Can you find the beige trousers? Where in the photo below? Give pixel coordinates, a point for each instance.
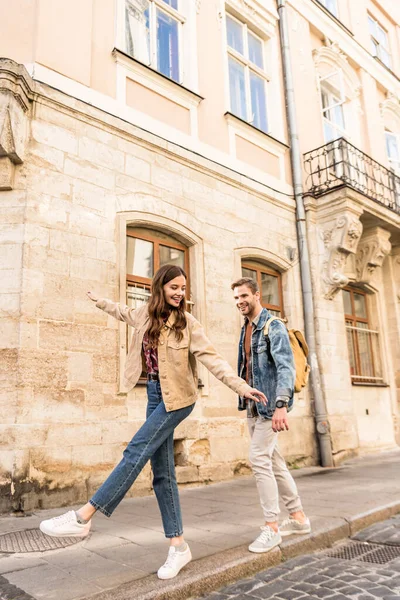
(270, 471)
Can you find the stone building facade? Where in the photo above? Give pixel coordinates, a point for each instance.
(159, 134)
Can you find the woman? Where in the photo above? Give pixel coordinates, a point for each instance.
(168, 340)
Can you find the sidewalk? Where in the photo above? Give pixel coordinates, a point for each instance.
(220, 521)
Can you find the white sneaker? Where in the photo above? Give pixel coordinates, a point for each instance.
(175, 562)
(65, 525)
(292, 526)
(267, 540)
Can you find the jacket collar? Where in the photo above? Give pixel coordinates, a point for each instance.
(264, 316)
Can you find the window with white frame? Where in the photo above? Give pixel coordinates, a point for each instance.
(379, 41)
(247, 75)
(153, 34)
(332, 100)
(393, 149)
(330, 5)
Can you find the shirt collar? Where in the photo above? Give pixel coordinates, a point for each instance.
(255, 320)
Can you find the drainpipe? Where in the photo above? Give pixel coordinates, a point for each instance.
(321, 417)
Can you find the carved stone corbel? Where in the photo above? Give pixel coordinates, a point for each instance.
(16, 95)
(371, 252)
(340, 241)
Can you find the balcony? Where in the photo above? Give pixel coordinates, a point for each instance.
(339, 164)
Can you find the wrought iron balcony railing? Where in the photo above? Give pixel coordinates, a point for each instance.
(339, 163)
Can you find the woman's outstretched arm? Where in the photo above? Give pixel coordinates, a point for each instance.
(204, 351)
(121, 313)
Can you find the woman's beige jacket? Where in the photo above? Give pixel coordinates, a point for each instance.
(176, 360)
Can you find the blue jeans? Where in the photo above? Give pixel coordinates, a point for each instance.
(155, 441)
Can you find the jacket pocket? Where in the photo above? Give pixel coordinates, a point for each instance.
(175, 345)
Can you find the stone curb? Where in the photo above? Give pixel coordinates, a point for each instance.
(212, 572)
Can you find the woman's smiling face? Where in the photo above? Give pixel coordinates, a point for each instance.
(174, 291)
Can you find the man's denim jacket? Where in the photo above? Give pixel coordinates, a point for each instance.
(272, 363)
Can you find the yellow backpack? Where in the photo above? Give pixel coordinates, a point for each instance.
(300, 352)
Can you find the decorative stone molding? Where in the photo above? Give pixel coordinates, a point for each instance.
(340, 241)
(261, 13)
(371, 252)
(16, 95)
(333, 57)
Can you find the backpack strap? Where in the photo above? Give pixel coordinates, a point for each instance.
(268, 323)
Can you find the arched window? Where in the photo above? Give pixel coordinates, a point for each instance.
(362, 340)
(269, 282)
(146, 251)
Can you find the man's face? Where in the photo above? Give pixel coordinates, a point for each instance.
(246, 301)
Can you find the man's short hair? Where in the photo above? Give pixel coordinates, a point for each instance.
(248, 281)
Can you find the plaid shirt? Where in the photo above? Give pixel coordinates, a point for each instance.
(251, 405)
(150, 356)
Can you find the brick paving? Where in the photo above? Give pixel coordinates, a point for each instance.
(316, 576)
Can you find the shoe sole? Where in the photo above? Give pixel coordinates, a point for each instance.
(61, 535)
(263, 550)
(304, 532)
(176, 574)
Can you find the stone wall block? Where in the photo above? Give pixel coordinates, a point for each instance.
(101, 154)
(54, 136)
(80, 367)
(86, 171)
(41, 368)
(59, 435)
(71, 337)
(105, 368)
(89, 268)
(137, 168)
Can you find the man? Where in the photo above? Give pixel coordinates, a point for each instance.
(267, 364)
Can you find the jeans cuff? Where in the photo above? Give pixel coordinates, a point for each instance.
(175, 534)
(100, 508)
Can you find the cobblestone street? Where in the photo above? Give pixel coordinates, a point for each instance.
(322, 576)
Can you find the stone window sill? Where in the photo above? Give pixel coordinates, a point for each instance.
(155, 81)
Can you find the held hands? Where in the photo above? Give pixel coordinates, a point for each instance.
(280, 420)
(92, 296)
(255, 395)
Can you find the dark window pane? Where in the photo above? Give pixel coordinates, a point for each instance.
(234, 34)
(137, 34)
(249, 273)
(172, 3)
(269, 289)
(139, 257)
(255, 51)
(237, 89)
(258, 102)
(167, 46)
(360, 306)
(172, 256)
(347, 302)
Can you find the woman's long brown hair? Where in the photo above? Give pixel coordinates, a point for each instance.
(159, 309)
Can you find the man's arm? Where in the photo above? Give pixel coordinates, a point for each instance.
(281, 352)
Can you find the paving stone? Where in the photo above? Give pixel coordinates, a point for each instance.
(245, 585)
(364, 584)
(335, 584)
(269, 590)
(304, 587)
(323, 592)
(271, 574)
(350, 590)
(289, 594)
(317, 579)
(348, 578)
(380, 591)
(300, 574)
